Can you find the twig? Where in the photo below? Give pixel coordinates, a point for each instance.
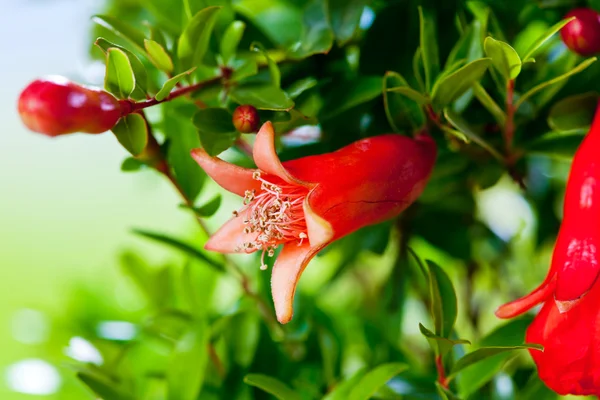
(509, 126)
(439, 365)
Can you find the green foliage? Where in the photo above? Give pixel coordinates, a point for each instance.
(370, 321)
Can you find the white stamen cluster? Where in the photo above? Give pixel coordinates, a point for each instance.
(276, 216)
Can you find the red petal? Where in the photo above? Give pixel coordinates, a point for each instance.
(286, 272)
(578, 272)
(229, 176)
(265, 156)
(231, 235)
(319, 230)
(523, 304)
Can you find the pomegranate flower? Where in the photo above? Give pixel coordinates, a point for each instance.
(568, 325)
(307, 203)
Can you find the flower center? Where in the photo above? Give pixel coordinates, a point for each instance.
(276, 216)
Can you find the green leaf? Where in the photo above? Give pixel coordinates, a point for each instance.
(485, 352)
(459, 123)
(119, 79)
(273, 68)
(243, 335)
(374, 379)
(280, 20)
(170, 84)
(132, 132)
(182, 137)
(193, 42)
(440, 345)
(443, 300)
(583, 65)
(292, 120)
(103, 387)
(208, 209)
(272, 386)
(139, 71)
(231, 40)
(428, 45)
(573, 112)
(344, 16)
(543, 38)
(148, 280)
(244, 68)
(262, 96)
(410, 93)
(181, 246)
(158, 56)
(486, 100)
(131, 164)
(561, 145)
(317, 37)
(187, 366)
(504, 58)
(354, 93)
(342, 390)
(401, 109)
(216, 129)
(301, 86)
(417, 65)
(121, 28)
(451, 87)
(444, 393)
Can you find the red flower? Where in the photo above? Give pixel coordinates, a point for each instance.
(568, 326)
(307, 203)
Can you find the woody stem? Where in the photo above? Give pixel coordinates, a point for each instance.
(509, 126)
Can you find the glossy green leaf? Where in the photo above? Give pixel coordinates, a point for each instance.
(417, 65)
(139, 71)
(170, 84)
(273, 386)
(443, 300)
(354, 93)
(318, 36)
(374, 379)
(486, 100)
(344, 16)
(459, 123)
(573, 112)
(119, 79)
(451, 87)
(181, 246)
(262, 96)
(429, 47)
(401, 109)
(486, 352)
(193, 42)
(342, 390)
(131, 164)
(231, 40)
(121, 28)
(187, 366)
(440, 345)
(103, 387)
(244, 334)
(132, 132)
(158, 56)
(244, 69)
(280, 20)
(208, 209)
(543, 38)
(583, 65)
(504, 58)
(273, 68)
(216, 129)
(561, 145)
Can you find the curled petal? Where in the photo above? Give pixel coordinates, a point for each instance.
(229, 176)
(266, 158)
(578, 274)
(286, 272)
(320, 232)
(517, 307)
(230, 237)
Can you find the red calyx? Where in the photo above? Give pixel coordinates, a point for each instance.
(55, 106)
(246, 119)
(582, 35)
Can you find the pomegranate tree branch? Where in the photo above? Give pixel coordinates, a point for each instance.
(509, 127)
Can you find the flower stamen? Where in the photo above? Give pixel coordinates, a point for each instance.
(275, 216)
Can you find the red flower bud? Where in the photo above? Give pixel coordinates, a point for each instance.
(582, 35)
(56, 106)
(568, 324)
(246, 119)
(307, 203)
